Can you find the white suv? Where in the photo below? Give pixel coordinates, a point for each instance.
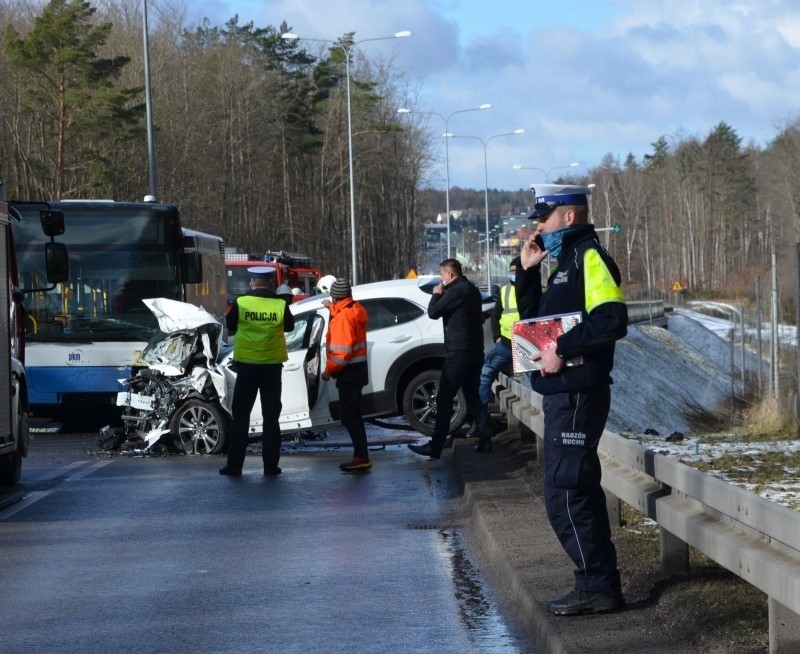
(405, 351)
(182, 399)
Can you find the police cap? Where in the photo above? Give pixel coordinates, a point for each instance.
(261, 272)
(549, 196)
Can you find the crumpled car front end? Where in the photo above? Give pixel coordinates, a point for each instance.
(179, 398)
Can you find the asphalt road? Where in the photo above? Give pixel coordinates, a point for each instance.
(117, 554)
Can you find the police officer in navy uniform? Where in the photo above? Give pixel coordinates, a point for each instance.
(576, 399)
(259, 319)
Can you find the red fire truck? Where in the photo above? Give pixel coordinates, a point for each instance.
(294, 270)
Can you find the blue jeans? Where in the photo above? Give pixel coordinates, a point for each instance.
(498, 360)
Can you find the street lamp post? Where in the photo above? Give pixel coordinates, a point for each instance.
(485, 143)
(446, 120)
(151, 148)
(574, 164)
(289, 36)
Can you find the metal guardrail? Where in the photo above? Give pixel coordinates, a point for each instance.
(650, 311)
(754, 538)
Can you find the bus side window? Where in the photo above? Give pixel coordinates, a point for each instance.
(192, 267)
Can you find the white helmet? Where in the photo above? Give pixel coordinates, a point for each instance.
(324, 284)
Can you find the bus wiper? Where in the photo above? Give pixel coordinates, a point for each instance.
(108, 327)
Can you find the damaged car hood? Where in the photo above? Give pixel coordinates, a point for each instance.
(179, 368)
(181, 324)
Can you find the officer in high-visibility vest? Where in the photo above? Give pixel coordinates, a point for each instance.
(504, 315)
(575, 399)
(259, 319)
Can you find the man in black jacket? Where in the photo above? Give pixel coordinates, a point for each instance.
(458, 303)
(576, 399)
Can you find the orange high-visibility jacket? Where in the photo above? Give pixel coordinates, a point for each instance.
(346, 342)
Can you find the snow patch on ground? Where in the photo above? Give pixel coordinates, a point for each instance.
(657, 371)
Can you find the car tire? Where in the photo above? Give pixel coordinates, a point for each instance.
(199, 427)
(419, 403)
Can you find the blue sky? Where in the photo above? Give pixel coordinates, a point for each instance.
(584, 78)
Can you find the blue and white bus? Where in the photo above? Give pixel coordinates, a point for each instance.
(83, 336)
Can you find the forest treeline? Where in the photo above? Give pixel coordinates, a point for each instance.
(251, 143)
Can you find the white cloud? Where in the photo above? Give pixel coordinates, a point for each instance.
(612, 78)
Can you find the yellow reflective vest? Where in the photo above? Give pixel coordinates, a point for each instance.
(510, 315)
(259, 332)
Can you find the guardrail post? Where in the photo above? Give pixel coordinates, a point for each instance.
(674, 553)
(614, 508)
(539, 449)
(784, 628)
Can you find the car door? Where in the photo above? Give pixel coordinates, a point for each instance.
(391, 332)
(304, 393)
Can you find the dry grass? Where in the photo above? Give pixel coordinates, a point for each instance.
(766, 419)
(751, 417)
(711, 611)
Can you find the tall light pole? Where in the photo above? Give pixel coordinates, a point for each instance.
(446, 120)
(151, 148)
(485, 143)
(574, 164)
(348, 50)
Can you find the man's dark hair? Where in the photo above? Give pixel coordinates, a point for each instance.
(453, 265)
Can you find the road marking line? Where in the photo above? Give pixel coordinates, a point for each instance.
(88, 471)
(25, 502)
(61, 471)
(35, 496)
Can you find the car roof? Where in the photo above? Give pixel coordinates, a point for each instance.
(410, 288)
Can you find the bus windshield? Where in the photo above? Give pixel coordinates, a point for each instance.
(117, 259)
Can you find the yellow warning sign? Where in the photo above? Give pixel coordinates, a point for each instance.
(677, 287)
(412, 274)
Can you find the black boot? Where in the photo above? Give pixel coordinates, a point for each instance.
(425, 450)
(484, 445)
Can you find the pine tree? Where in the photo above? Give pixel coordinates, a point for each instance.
(69, 91)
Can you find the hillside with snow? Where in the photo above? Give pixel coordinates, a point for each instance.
(657, 371)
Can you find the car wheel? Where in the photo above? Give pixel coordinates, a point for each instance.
(419, 403)
(199, 427)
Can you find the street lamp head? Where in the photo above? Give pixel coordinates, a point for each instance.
(289, 36)
(517, 167)
(403, 110)
(487, 105)
(403, 34)
(519, 131)
(574, 164)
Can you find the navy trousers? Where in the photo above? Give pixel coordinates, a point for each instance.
(252, 379)
(576, 504)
